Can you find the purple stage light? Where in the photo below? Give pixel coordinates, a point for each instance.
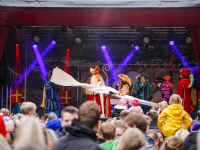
(103, 47)
(32, 65)
(53, 42)
(171, 43)
(41, 63)
(137, 48)
(34, 46)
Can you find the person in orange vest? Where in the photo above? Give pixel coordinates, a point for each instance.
(184, 89)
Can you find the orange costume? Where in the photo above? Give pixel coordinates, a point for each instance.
(101, 99)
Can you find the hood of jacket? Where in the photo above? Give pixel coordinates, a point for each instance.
(175, 109)
(54, 124)
(77, 129)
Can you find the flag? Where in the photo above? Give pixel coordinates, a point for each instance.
(16, 96)
(66, 97)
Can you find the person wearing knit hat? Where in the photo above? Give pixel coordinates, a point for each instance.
(184, 89)
(121, 105)
(165, 86)
(135, 107)
(142, 90)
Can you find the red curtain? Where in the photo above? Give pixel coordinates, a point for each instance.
(195, 35)
(3, 37)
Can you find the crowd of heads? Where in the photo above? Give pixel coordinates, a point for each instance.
(131, 130)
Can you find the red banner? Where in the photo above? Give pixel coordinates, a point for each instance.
(16, 96)
(66, 97)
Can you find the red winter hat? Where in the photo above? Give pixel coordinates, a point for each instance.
(135, 102)
(185, 72)
(2, 127)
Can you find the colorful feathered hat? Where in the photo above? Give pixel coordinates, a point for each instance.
(125, 78)
(187, 73)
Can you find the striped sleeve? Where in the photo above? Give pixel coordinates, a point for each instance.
(166, 92)
(124, 90)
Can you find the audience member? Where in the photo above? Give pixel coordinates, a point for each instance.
(163, 105)
(197, 118)
(68, 114)
(135, 107)
(148, 121)
(82, 132)
(132, 139)
(108, 131)
(30, 135)
(120, 129)
(160, 135)
(153, 118)
(135, 120)
(5, 114)
(118, 122)
(153, 134)
(50, 138)
(4, 144)
(123, 114)
(121, 105)
(170, 120)
(2, 127)
(28, 108)
(172, 143)
(51, 115)
(182, 134)
(17, 117)
(11, 127)
(54, 124)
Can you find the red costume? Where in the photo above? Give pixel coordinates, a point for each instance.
(101, 100)
(184, 89)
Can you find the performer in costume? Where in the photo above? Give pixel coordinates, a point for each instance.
(123, 86)
(142, 90)
(166, 87)
(50, 96)
(184, 89)
(101, 99)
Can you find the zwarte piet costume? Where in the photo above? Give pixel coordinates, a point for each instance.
(184, 89)
(50, 96)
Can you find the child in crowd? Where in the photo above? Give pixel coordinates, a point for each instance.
(162, 106)
(122, 105)
(135, 107)
(170, 120)
(28, 108)
(108, 131)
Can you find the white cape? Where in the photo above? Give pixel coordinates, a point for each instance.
(64, 79)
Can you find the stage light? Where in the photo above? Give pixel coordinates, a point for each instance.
(36, 38)
(40, 62)
(137, 48)
(17, 45)
(173, 51)
(53, 42)
(78, 40)
(33, 64)
(103, 47)
(171, 43)
(188, 40)
(146, 40)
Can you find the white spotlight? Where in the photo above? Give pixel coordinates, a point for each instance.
(146, 40)
(188, 40)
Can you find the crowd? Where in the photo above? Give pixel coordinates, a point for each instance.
(169, 128)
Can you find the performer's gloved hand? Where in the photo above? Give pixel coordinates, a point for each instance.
(149, 99)
(111, 92)
(116, 87)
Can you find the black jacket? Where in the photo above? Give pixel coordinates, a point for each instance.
(117, 110)
(60, 132)
(190, 142)
(81, 138)
(154, 125)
